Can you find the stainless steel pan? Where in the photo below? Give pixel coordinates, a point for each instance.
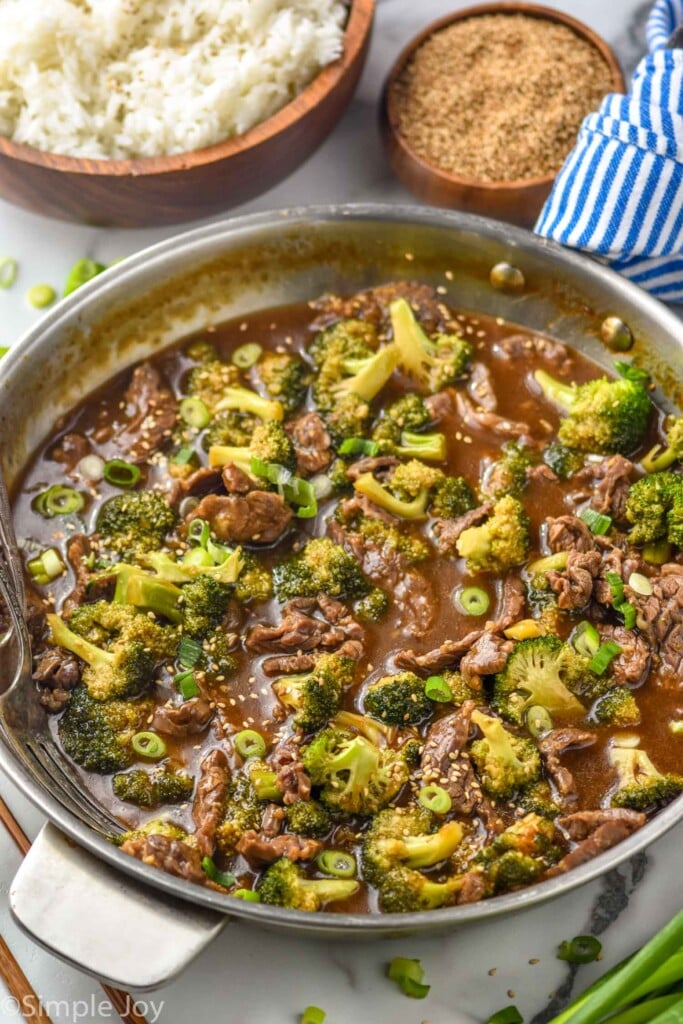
(72, 894)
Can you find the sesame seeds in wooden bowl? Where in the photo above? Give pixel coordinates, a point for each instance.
(481, 109)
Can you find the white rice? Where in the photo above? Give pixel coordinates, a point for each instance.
(138, 78)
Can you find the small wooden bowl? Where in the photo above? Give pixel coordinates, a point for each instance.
(186, 186)
(518, 202)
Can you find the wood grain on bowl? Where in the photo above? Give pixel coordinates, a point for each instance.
(186, 186)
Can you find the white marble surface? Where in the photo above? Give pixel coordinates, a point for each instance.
(252, 977)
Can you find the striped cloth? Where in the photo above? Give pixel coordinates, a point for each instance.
(620, 193)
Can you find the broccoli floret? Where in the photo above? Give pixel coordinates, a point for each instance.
(285, 885)
(373, 606)
(655, 507)
(264, 781)
(102, 622)
(513, 870)
(209, 381)
(243, 400)
(347, 417)
(499, 543)
(348, 365)
(309, 818)
(533, 675)
(532, 835)
(509, 474)
(460, 690)
(269, 443)
(124, 669)
(411, 479)
(405, 837)
(156, 827)
(338, 474)
(255, 582)
(385, 536)
(604, 416)
(563, 461)
(316, 696)
(538, 799)
(405, 890)
(229, 428)
(149, 789)
(133, 523)
(451, 497)
(323, 567)
(432, 363)
(408, 491)
(398, 699)
(617, 707)
(204, 603)
(640, 786)
(243, 813)
(505, 763)
(408, 413)
(355, 776)
(347, 339)
(285, 377)
(656, 459)
(97, 734)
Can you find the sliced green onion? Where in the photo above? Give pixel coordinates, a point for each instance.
(631, 372)
(148, 744)
(508, 1015)
(223, 878)
(640, 584)
(596, 522)
(82, 272)
(616, 585)
(217, 552)
(194, 412)
(189, 652)
(248, 895)
(183, 456)
(250, 743)
(198, 556)
(473, 600)
(187, 685)
(199, 532)
(270, 471)
(657, 553)
(313, 1015)
(435, 798)
(8, 271)
(358, 446)
(121, 474)
(41, 295)
(586, 639)
(436, 688)
(46, 567)
(538, 721)
(91, 467)
(604, 656)
(629, 612)
(337, 863)
(584, 949)
(246, 355)
(295, 490)
(59, 501)
(408, 975)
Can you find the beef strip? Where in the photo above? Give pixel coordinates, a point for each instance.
(360, 505)
(78, 550)
(291, 775)
(660, 619)
(574, 585)
(542, 473)
(487, 656)
(512, 606)
(480, 419)
(190, 718)
(610, 480)
(57, 672)
(445, 763)
(416, 601)
(552, 746)
(209, 801)
(447, 531)
(257, 517)
(166, 854)
(595, 832)
(569, 533)
(206, 480)
(70, 450)
(480, 387)
(618, 561)
(154, 414)
(373, 305)
(300, 630)
(258, 849)
(440, 405)
(378, 465)
(440, 657)
(516, 346)
(473, 888)
(629, 667)
(312, 443)
(273, 821)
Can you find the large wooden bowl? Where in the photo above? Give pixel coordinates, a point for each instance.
(165, 190)
(518, 202)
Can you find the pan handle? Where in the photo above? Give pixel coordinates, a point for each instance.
(103, 923)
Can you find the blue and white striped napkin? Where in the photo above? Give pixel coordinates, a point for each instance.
(620, 192)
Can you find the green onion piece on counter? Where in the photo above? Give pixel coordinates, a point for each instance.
(436, 688)
(189, 652)
(194, 413)
(121, 474)
(8, 271)
(435, 798)
(586, 639)
(596, 522)
(59, 501)
(640, 584)
(337, 863)
(313, 1015)
(82, 272)
(508, 1015)
(616, 585)
(629, 612)
(538, 721)
(247, 355)
(584, 949)
(41, 295)
(4, 349)
(223, 878)
(473, 600)
(199, 532)
(198, 556)
(248, 895)
(358, 446)
(250, 743)
(408, 975)
(183, 456)
(187, 685)
(631, 372)
(46, 567)
(148, 744)
(604, 656)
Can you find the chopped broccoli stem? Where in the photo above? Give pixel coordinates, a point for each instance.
(658, 459)
(373, 489)
(405, 837)
(245, 401)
